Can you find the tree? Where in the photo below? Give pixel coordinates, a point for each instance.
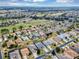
(4, 44)
(10, 37)
(4, 31)
(53, 52)
(58, 49)
(30, 26)
(14, 29)
(15, 37)
(13, 46)
(38, 51)
(20, 27)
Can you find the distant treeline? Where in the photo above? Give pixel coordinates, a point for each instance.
(18, 17)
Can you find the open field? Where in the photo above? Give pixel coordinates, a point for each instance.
(27, 24)
(2, 20)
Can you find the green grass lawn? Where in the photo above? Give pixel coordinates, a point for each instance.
(26, 25)
(4, 20)
(41, 52)
(37, 40)
(53, 46)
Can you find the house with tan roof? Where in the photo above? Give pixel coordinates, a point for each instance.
(70, 53)
(10, 42)
(24, 52)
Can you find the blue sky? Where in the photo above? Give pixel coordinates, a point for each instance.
(45, 3)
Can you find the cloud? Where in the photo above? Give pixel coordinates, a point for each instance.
(21, 2)
(34, 1)
(38, 0)
(8, 4)
(64, 1)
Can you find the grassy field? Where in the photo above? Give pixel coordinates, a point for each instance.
(4, 20)
(26, 25)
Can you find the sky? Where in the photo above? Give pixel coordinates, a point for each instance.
(45, 3)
